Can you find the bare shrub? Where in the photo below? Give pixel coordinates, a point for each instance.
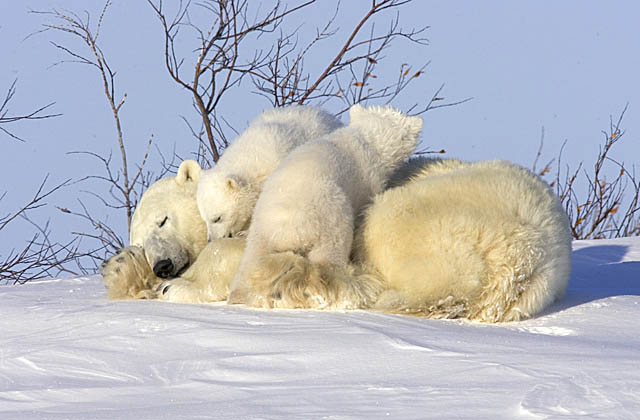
(40, 257)
(609, 207)
(125, 185)
(278, 74)
(220, 64)
(221, 60)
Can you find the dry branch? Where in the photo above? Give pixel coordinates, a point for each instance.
(609, 208)
(39, 257)
(350, 75)
(220, 64)
(128, 186)
(7, 118)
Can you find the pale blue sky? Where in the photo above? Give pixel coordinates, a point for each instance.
(565, 66)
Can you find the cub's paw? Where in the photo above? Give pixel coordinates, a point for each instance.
(179, 290)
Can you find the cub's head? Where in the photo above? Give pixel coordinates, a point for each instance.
(167, 224)
(226, 203)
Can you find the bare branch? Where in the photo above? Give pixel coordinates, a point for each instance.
(219, 65)
(350, 75)
(6, 118)
(607, 210)
(39, 257)
(80, 27)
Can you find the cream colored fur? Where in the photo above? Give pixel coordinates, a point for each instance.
(127, 275)
(300, 238)
(487, 241)
(209, 278)
(228, 192)
(166, 226)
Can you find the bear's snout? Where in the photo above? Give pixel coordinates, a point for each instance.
(163, 268)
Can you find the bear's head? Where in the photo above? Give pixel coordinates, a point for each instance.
(226, 203)
(167, 224)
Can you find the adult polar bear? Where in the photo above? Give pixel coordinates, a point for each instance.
(301, 234)
(167, 235)
(487, 241)
(228, 192)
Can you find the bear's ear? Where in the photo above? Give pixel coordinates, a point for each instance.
(234, 182)
(189, 171)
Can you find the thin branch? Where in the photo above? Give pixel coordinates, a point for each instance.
(609, 208)
(6, 118)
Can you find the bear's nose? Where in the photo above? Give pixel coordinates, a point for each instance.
(163, 268)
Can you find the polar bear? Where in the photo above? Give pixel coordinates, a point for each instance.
(167, 233)
(299, 241)
(228, 192)
(127, 275)
(487, 241)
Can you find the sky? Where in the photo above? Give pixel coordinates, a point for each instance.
(562, 66)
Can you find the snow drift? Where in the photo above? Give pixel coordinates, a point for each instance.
(66, 352)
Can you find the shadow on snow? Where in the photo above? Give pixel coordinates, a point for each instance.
(598, 272)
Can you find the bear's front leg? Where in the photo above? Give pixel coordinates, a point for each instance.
(127, 275)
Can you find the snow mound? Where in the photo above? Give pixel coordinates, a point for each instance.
(68, 353)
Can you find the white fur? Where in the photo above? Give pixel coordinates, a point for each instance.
(209, 278)
(228, 192)
(488, 241)
(166, 227)
(299, 242)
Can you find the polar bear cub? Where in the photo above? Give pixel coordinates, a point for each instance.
(299, 242)
(488, 241)
(227, 193)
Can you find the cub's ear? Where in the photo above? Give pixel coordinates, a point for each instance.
(356, 111)
(189, 171)
(235, 182)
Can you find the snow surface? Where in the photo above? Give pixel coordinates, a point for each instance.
(68, 353)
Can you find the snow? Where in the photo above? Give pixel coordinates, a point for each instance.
(66, 352)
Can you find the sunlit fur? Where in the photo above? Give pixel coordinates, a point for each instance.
(487, 241)
(228, 192)
(209, 278)
(127, 275)
(166, 225)
(300, 239)
(289, 280)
